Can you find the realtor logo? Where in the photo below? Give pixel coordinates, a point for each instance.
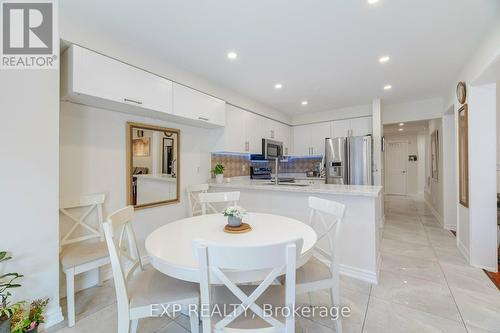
(29, 38)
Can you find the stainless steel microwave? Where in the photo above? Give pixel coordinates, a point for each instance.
(272, 149)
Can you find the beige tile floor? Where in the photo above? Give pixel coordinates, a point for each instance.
(425, 286)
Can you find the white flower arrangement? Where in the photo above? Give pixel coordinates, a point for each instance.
(235, 211)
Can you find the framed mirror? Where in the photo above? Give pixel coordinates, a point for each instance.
(152, 165)
(463, 156)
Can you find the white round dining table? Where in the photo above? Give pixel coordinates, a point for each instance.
(171, 252)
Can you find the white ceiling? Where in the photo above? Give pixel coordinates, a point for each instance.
(323, 51)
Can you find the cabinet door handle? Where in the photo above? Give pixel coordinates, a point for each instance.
(132, 101)
(203, 118)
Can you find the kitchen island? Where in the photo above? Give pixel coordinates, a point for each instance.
(361, 228)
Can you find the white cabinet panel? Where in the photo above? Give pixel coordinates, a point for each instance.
(192, 104)
(302, 140)
(91, 78)
(361, 126)
(234, 133)
(352, 127)
(319, 132)
(340, 128)
(255, 132)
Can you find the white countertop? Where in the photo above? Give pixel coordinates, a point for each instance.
(160, 176)
(354, 190)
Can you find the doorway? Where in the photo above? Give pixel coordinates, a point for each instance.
(396, 167)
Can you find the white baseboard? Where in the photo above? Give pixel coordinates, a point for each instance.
(360, 274)
(53, 317)
(435, 213)
(357, 273)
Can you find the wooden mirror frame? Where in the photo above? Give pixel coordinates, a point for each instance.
(463, 158)
(129, 135)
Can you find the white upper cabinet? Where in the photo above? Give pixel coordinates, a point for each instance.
(340, 128)
(245, 130)
(352, 127)
(93, 79)
(309, 140)
(302, 140)
(361, 126)
(319, 132)
(192, 104)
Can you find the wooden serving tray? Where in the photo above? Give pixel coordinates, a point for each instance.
(243, 228)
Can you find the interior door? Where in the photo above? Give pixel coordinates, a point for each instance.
(396, 157)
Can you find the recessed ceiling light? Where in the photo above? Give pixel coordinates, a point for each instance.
(278, 86)
(388, 87)
(304, 103)
(401, 129)
(232, 55)
(401, 124)
(371, 2)
(384, 59)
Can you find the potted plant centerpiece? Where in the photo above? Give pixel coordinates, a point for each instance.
(234, 216)
(28, 318)
(219, 173)
(7, 282)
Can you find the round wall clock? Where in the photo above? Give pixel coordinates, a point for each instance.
(461, 92)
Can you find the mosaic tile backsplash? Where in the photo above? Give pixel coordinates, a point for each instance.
(237, 165)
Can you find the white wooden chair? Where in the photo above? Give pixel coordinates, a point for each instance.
(207, 199)
(139, 290)
(322, 270)
(82, 248)
(193, 198)
(214, 262)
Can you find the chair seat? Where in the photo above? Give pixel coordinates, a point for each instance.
(313, 270)
(83, 253)
(153, 287)
(274, 295)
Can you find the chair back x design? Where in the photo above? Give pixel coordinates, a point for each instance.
(91, 203)
(325, 216)
(207, 199)
(193, 198)
(123, 251)
(216, 260)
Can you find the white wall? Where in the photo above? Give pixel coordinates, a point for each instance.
(498, 136)
(476, 71)
(421, 163)
(412, 111)
(434, 188)
(342, 113)
(93, 160)
(482, 174)
(29, 197)
(450, 166)
(378, 161)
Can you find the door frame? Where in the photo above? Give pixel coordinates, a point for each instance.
(406, 165)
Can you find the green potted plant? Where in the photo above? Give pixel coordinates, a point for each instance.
(219, 173)
(28, 318)
(7, 282)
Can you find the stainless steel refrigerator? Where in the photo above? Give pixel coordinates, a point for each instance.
(348, 160)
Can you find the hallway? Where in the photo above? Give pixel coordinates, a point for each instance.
(422, 269)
